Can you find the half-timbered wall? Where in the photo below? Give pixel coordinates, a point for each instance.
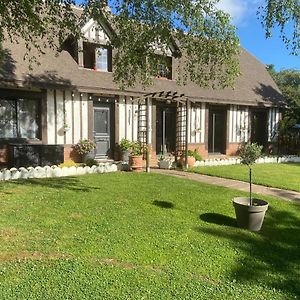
(197, 123)
(128, 119)
(239, 124)
(67, 117)
(94, 32)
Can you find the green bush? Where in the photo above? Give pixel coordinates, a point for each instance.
(91, 162)
(125, 144)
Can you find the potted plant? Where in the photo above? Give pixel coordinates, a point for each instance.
(136, 156)
(191, 159)
(165, 162)
(125, 146)
(86, 148)
(250, 212)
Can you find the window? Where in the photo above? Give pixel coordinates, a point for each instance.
(19, 118)
(165, 68)
(97, 57)
(102, 59)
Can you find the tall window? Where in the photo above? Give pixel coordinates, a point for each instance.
(102, 59)
(97, 57)
(19, 118)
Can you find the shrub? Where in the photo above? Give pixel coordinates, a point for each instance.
(195, 154)
(69, 163)
(91, 162)
(137, 148)
(125, 144)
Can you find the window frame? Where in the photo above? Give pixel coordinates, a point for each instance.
(16, 121)
(91, 49)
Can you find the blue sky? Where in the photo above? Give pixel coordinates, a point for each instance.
(251, 34)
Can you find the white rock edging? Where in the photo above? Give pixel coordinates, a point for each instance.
(55, 171)
(236, 161)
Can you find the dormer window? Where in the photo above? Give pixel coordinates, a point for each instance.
(103, 59)
(165, 68)
(97, 57)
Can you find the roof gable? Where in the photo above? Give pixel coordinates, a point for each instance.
(96, 32)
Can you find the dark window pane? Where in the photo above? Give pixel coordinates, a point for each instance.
(19, 119)
(27, 118)
(101, 121)
(8, 126)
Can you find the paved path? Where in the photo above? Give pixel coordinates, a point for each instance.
(235, 184)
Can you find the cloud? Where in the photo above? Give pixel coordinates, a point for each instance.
(240, 10)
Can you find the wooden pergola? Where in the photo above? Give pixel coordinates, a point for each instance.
(182, 121)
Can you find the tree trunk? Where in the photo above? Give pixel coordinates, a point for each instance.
(250, 180)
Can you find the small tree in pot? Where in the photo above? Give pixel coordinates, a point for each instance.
(250, 212)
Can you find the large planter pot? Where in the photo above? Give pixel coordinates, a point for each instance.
(250, 217)
(190, 161)
(87, 156)
(125, 155)
(136, 163)
(165, 164)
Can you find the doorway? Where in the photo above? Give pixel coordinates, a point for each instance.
(259, 131)
(104, 130)
(217, 130)
(165, 129)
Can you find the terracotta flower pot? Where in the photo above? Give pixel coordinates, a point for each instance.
(136, 163)
(190, 160)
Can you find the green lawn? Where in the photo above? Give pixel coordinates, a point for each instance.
(141, 236)
(285, 176)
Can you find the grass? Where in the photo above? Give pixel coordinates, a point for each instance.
(285, 176)
(141, 236)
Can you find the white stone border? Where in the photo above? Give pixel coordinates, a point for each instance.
(55, 171)
(236, 161)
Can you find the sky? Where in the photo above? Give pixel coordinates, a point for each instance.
(251, 34)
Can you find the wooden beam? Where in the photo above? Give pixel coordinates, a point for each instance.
(186, 132)
(148, 134)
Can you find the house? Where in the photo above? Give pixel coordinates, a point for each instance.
(72, 96)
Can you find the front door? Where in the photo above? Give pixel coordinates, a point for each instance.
(165, 129)
(103, 130)
(217, 131)
(259, 127)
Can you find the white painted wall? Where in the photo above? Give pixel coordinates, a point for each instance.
(197, 123)
(238, 124)
(94, 32)
(66, 109)
(128, 118)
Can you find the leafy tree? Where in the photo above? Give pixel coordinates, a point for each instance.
(288, 81)
(207, 40)
(286, 16)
